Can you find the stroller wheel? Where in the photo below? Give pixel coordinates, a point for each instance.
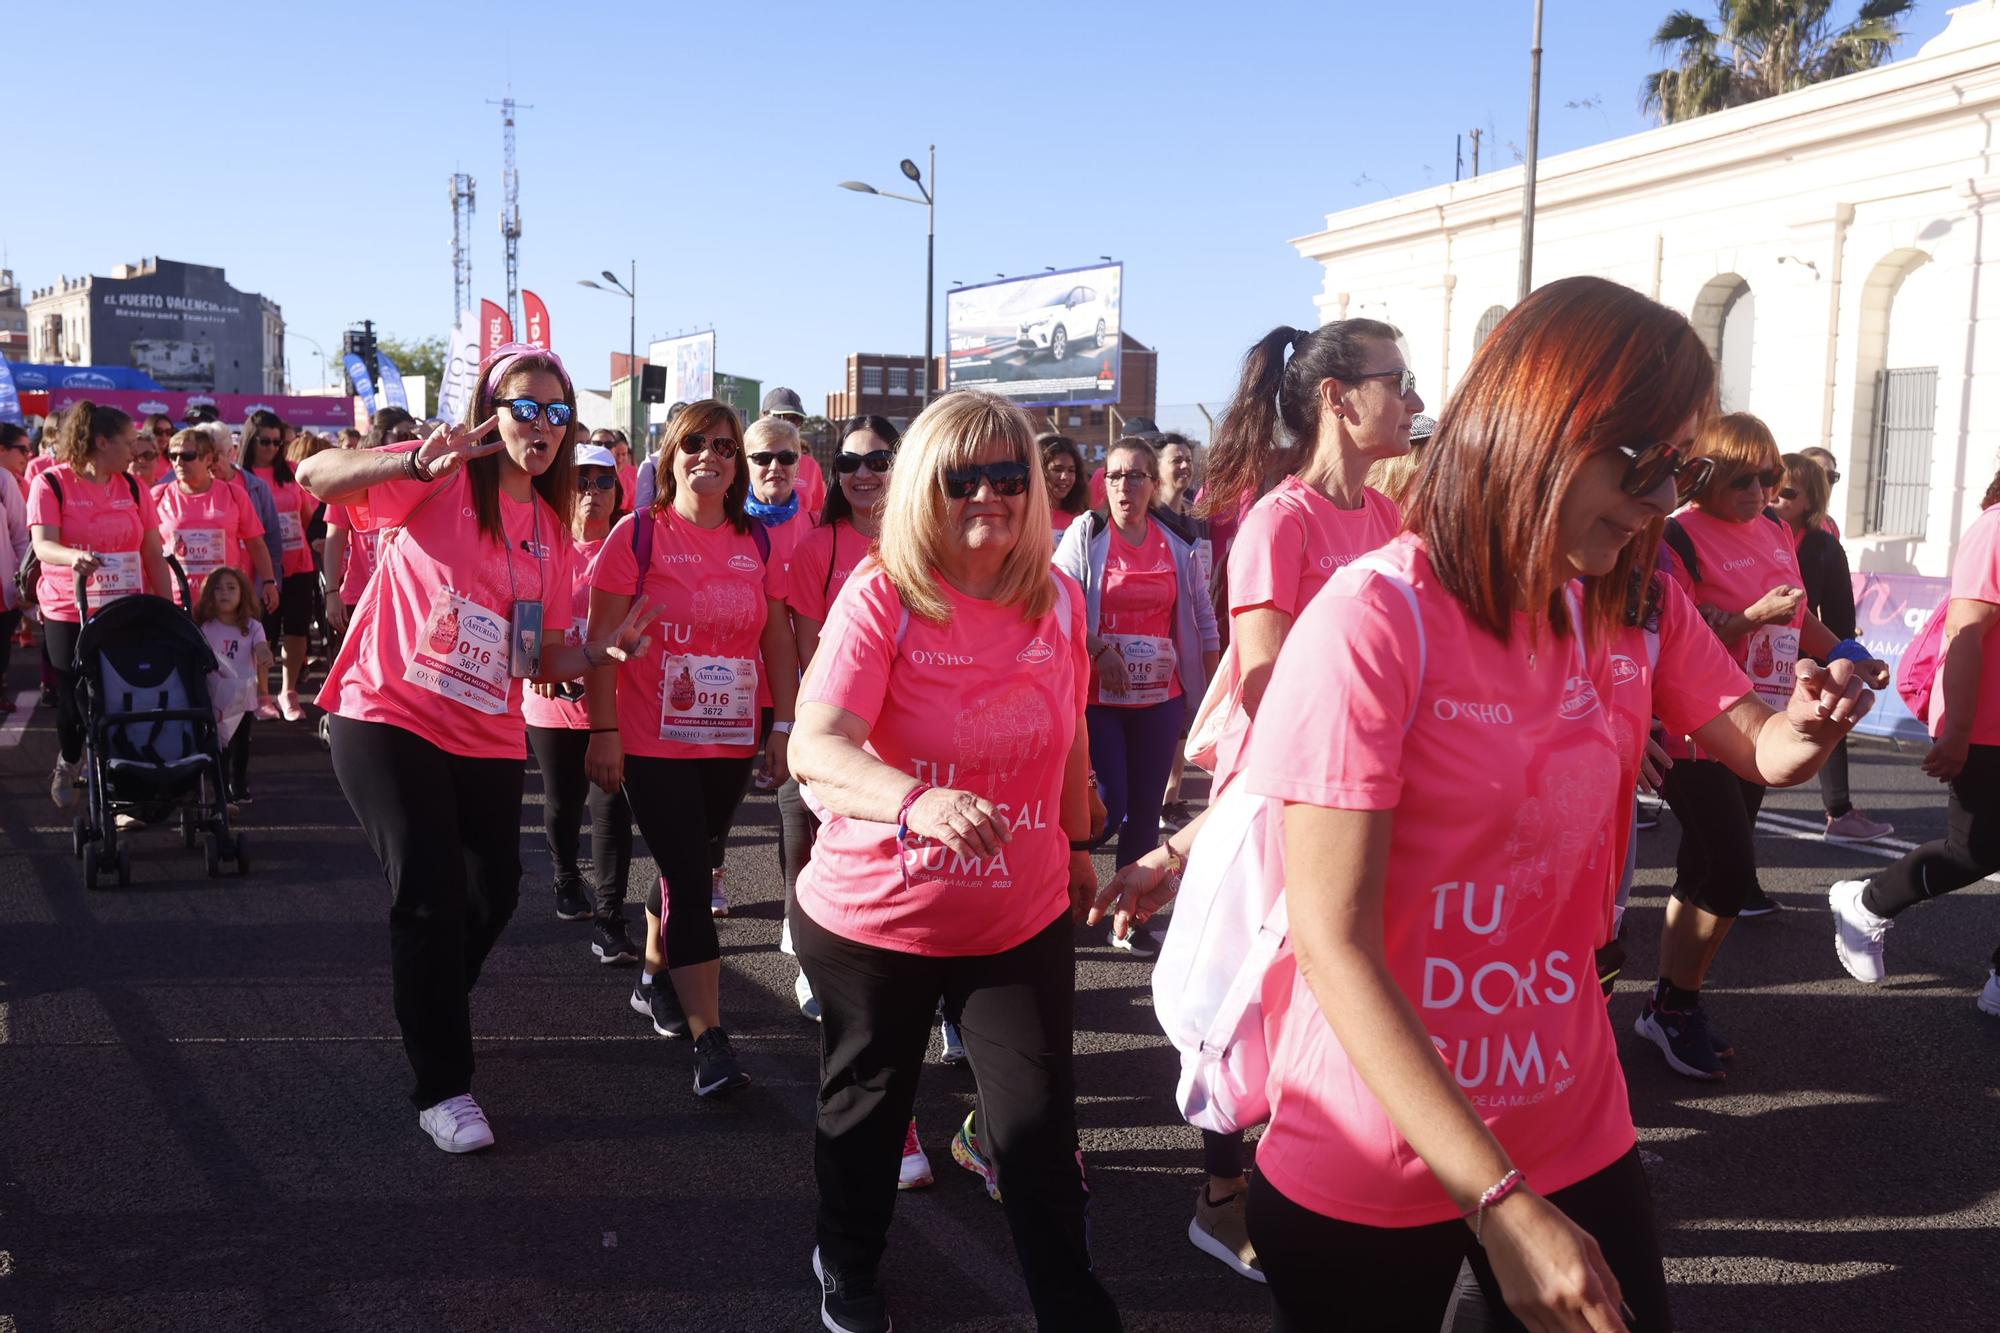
(242, 855)
(77, 836)
(124, 864)
(211, 854)
(90, 865)
(325, 729)
(187, 829)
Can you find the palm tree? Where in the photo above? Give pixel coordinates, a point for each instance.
(1761, 48)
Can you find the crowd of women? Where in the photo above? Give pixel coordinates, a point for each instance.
(961, 679)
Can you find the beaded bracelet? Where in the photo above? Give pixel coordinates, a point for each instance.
(1506, 1185)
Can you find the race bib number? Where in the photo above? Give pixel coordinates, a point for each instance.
(461, 654)
(118, 576)
(201, 550)
(1773, 663)
(709, 700)
(1204, 560)
(291, 532)
(1149, 669)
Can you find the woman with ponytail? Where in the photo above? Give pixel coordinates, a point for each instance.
(88, 516)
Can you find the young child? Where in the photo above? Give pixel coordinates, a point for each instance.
(237, 636)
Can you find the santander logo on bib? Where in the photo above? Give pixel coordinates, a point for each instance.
(743, 563)
(1579, 699)
(1036, 653)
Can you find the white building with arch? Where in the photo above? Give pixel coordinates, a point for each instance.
(1837, 247)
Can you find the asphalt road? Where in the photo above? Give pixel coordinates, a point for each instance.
(203, 1121)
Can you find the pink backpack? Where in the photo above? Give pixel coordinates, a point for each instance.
(1920, 663)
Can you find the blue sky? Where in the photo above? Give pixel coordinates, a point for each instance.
(306, 150)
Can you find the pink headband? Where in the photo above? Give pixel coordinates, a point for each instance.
(502, 360)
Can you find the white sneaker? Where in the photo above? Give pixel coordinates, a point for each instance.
(1989, 999)
(62, 783)
(785, 939)
(456, 1124)
(808, 1002)
(1854, 828)
(916, 1172)
(1857, 932)
(718, 900)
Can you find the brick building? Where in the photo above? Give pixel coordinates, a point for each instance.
(879, 384)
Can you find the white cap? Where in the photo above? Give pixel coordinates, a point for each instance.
(593, 455)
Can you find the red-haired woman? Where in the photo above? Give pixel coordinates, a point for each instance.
(1461, 713)
(427, 734)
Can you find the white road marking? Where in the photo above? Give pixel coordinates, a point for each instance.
(16, 725)
(1800, 830)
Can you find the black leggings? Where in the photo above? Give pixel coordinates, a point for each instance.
(1326, 1274)
(718, 840)
(1969, 850)
(9, 623)
(294, 615)
(236, 759)
(447, 832)
(680, 805)
(1716, 866)
(59, 648)
(1016, 1011)
(566, 793)
(1833, 790)
(798, 828)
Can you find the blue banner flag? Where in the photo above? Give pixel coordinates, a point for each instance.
(392, 384)
(357, 374)
(10, 397)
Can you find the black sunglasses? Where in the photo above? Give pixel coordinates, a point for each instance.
(1406, 380)
(719, 445)
(1768, 479)
(765, 458)
(1646, 468)
(527, 409)
(186, 456)
(875, 461)
(604, 482)
(1004, 478)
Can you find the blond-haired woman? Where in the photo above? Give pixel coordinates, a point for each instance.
(939, 730)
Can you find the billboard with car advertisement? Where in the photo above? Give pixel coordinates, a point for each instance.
(1042, 341)
(690, 363)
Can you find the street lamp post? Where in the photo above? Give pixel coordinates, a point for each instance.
(1528, 170)
(317, 349)
(929, 201)
(630, 292)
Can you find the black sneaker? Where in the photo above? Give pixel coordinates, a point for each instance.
(850, 1304)
(611, 944)
(1139, 941)
(1648, 818)
(657, 1001)
(715, 1068)
(1175, 816)
(1760, 903)
(1683, 1038)
(571, 905)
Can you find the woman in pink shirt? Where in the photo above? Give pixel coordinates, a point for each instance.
(940, 732)
(1463, 721)
(1965, 755)
(427, 733)
(677, 727)
(88, 516)
(1062, 468)
(291, 624)
(349, 558)
(204, 522)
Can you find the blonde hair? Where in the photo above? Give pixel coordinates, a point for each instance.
(917, 530)
(1803, 471)
(194, 436)
(1739, 443)
(1394, 476)
(772, 433)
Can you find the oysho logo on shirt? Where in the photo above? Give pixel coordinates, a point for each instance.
(1331, 562)
(680, 558)
(926, 657)
(1744, 563)
(743, 563)
(1036, 653)
(1579, 699)
(1456, 710)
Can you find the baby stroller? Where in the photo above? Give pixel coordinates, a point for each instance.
(150, 739)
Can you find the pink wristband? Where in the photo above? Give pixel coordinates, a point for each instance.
(903, 811)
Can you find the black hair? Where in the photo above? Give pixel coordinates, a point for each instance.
(265, 419)
(1272, 424)
(382, 424)
(883, 429)
(11, 434)
(1053, 442)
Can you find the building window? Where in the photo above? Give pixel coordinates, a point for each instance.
(899, 380)
(871, 379)
(1488, 322)
(917, 382)
(1905, 424)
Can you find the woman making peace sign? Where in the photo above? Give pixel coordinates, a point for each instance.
(427, 735)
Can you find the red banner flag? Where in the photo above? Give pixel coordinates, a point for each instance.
(536, 316)
(494, 328)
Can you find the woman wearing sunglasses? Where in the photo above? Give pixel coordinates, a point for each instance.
(559, 735)
(940, 734)
(203, 523)
(349, 557)
(427, 731)
(1740, 567)
(677, 726)
(1463, 717)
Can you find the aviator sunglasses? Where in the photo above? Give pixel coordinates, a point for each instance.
(527, 409)
(1646, 468)
(876, 461)
(1004, 478)
(719, 445)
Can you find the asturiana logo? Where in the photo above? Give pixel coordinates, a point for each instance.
(1579, 699)
(746, 564)
(1623, 670)
(715, 674)
(479, 627)
(1036, 653)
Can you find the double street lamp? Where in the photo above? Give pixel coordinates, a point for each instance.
(929, 202)
(630, 293)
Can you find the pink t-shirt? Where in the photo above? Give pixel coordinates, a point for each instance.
(566, 714)
(295, 511)
(204, 532)
(1060, 520)
(785, 539)
(37, 465)
(360, 559)
(101, 517)
(809, 480)
(693, 694)
(427, 648)
(1293, 539)
(1740, 562)
(1975, 576)
(1136, 613)
(821, 562)
(1502, 767)
(988, 703)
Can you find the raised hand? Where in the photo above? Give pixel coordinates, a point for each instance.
(450, 446)
(627, 639)
(968, 824)
(1830, 697)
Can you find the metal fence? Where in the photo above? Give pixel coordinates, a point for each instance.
(1905, 417)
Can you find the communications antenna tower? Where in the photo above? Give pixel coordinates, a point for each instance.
(510, 209)
(461, 245)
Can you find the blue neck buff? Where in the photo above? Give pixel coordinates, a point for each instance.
(771, 516)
